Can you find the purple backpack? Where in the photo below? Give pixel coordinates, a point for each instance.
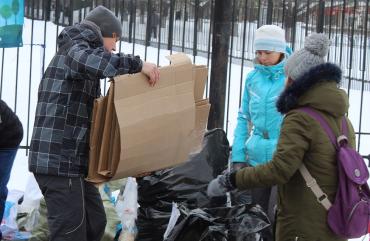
(348, 216)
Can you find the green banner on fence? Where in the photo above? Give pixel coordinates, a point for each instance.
(11, 23)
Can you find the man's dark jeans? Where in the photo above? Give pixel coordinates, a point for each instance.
(75, 208)
(7, 157)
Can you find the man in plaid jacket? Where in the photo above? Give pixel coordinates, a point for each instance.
(60, 141)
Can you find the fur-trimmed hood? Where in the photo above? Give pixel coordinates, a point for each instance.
(317, 88)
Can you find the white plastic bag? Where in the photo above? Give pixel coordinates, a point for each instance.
(31, 203)
(9, 225)
(127, 210)
(175, 214)
(32, 196)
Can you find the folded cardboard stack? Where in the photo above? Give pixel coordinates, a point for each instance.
(137, 128)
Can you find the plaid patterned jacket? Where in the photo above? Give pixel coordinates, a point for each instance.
(60, 139)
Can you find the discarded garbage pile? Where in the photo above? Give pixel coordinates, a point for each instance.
(26, 215)
(237, 223)
(186, 185)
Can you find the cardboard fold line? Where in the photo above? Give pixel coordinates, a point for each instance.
(147, 128)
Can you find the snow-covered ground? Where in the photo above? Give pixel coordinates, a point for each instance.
(23, 98)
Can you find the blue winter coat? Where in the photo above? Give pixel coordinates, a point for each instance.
(262, 88)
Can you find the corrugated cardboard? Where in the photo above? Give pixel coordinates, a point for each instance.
(155, 122)
(149, 128)
(105, 153)
(200, 74)
(109, 154)
(116, 147)
(96, 132)
(201, 119)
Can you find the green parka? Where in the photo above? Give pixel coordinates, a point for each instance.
(302, 140)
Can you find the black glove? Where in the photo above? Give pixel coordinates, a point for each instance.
(240, 197)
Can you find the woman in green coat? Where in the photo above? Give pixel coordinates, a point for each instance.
(311, 82)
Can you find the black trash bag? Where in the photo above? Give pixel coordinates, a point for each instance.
(152, 223)
(186, 184)
(237, 223)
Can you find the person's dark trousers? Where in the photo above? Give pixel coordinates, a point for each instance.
(75, 208)
(154, 32)
(7, 157)
(267, 199)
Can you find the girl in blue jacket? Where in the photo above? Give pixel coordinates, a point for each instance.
(258, 124)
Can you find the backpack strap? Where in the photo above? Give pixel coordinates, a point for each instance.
(315, 188)
(324, 124)
(310, 181)
(345, 127)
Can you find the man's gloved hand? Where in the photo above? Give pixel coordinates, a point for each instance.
(220, 186)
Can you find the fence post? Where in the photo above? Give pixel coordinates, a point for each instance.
(70, 17)
(148, 21)
(320, 17)
(132, 19)
(270, 6)
(220, 46)
(196, 19)
(171, 20)
(47, 10)
(259, 15)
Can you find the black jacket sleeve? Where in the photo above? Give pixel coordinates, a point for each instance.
(11, 130)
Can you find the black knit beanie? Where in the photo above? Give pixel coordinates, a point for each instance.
(109, 24)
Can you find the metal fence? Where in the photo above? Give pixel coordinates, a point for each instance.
(186, 25)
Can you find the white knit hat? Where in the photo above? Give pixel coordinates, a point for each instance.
(271, 38)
